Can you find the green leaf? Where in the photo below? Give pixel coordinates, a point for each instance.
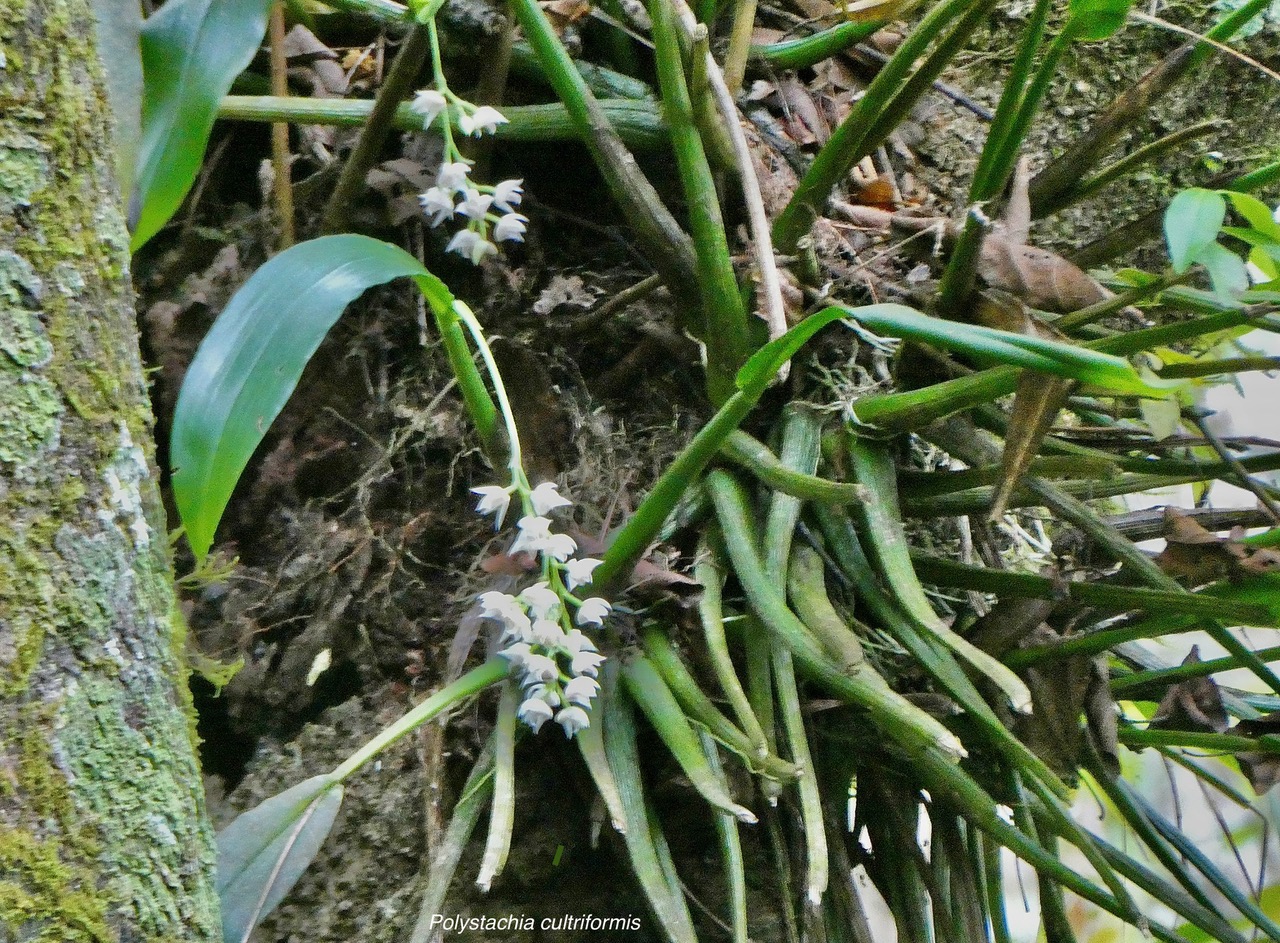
(765, 363)
(1267, 243)
(1226, 270)
(263, 852)
(250, 361)
(1092, 20)
(119, 27)
(1192, 221)
(192, 50)
(1004, 347)
(1257, 213)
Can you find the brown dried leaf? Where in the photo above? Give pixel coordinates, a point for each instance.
(1040, 278)
(804, 118)
(1008, 623)
(1037, 400)
(1200, 556)
(313, 61)
(1261, 768)
(877, 193)
(564, 12)
(1060, 696)
(1195, 704)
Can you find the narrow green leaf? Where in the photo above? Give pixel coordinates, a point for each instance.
(650, 692)
(1092, 20)
(1267, 242)
(1191, 222)
(765, 363)
(192, 50)
(250, 361)
(263, 852)
(1004, 347)
(667, 902)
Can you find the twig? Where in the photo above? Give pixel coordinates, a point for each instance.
(1198, 418)
(1148, 525)
(942, 88)
(283, 190)
(735, 59)
(618, 302)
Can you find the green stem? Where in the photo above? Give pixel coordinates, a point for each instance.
(466, 813)
(666, 245)
(725, 329)
(480, 406)
(1103, 596)
(642, 843)
(731, 847)
(850, 142)
(1218, 742)
(998, 157)
(662, 655)
(900, 412)
(935, 659)
(806, 587)
(711, 614)
(640, 530)
(638, 124)
(810, 50)
(755, 457)
(887, 539)
(659, 705)
(1137, 563)
(1215, 368)
(981, 809)
(910, 727)
(1146, 154)
(502, 811)
(801, 449)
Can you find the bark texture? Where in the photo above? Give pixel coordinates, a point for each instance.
(102, 828)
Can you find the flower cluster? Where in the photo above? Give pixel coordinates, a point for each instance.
(489, 210)
(558, 663)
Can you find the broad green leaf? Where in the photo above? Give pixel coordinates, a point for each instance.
(119, 26)
(263, 852)
(1257, 213)
(1265, 262)
(192, 50)
(1192, 221)
(1226, 270)
(1265, 242)
(1092, 20)
(249, 363)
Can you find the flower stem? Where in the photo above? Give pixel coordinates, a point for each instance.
(474, 681)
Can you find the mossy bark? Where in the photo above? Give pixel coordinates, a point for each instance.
(103, 834)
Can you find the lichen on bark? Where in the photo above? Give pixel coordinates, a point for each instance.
(103, 834)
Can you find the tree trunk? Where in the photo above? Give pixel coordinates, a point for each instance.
(103, 834)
